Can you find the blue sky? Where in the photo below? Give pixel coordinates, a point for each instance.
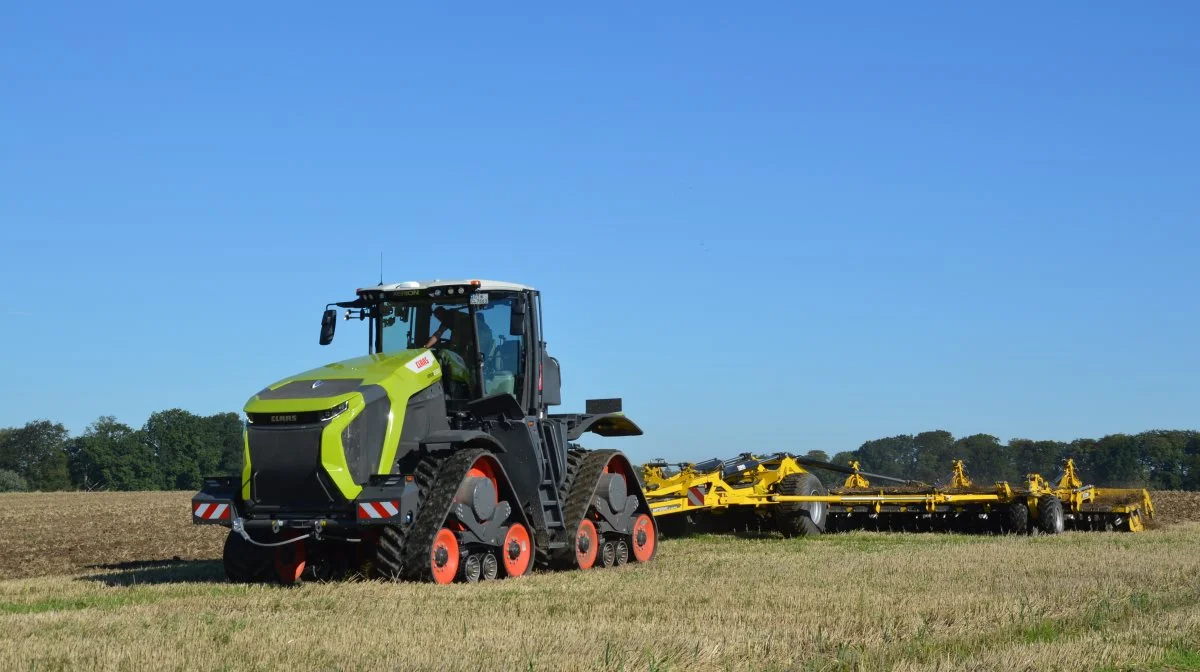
(772, 227)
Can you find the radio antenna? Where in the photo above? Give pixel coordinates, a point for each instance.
(381, 267)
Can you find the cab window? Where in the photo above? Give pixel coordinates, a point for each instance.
(503, 352)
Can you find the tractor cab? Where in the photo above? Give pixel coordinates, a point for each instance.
(483, 333)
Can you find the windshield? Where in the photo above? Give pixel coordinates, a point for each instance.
(446, 328)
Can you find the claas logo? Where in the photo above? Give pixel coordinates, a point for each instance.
(423, 362)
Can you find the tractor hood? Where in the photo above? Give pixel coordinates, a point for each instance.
(329, 385)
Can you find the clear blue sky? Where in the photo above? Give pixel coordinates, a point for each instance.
(787, 226)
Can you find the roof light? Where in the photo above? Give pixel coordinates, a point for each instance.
(476, 283)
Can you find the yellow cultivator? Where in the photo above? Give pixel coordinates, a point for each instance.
(779, 492)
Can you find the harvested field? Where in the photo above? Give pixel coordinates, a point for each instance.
(854, 601)
(61, 533)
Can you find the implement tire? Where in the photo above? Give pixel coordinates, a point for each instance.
(801, 518)
(246, 563)
(1050, 515)
(1015, 519)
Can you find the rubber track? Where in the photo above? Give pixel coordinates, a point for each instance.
(543, 557)
(579, 497)
(435, 505)
(389, 550)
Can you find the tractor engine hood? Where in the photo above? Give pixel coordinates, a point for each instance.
(314, 439)
(328, 386)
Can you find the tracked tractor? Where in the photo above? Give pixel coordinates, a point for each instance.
(432, 458)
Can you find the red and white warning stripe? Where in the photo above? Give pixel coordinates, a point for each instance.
(378, 509)
(695, 496)
(210, 511)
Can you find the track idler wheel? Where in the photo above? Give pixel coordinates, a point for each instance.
(608, 554)
(587, 544)
(645, 538)
(444, 558)
(517, 551)
(491, 568)
(622, 550)
(472, 568)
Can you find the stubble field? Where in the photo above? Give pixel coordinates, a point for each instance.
(123, 581)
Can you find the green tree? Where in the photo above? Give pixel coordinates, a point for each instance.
(985, 458)
(1038, 457)
(226, 430)
(11, 481)
(37, 452)
(934, 456)
(112, 456)
(1116, 461)
(184, 450)
(817, 455)
(893, 456)
(1191, 463)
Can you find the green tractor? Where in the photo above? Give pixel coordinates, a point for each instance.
(432, 458)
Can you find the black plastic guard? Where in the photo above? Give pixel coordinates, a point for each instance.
(216, 503)
(605, 424)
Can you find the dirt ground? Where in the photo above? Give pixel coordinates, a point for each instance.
(44, 534)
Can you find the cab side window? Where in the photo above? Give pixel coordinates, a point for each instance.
(503, 352)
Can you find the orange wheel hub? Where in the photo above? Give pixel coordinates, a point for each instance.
(517, 551)
(587, 543)
(444, 558)
(644, 538)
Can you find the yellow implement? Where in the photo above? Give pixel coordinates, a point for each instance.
(778, 492)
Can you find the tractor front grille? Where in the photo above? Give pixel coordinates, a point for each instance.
(286, 470)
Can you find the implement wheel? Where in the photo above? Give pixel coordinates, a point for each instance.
(1015, 518)
(801, 518)
(1050, 515)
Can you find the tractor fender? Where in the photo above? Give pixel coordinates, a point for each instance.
(444, 439)
(604, 424)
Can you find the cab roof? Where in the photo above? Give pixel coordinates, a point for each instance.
(484, 285)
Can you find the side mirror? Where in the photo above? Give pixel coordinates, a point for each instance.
(551, 380)
(516, 321)
(328, 324)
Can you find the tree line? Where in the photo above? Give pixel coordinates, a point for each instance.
(175, 450)
(1157, 459)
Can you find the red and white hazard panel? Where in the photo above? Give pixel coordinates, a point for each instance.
(378, 509)
(210, 511)
(695, 496)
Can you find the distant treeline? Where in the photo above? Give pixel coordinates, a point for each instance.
(175, 449)
(1158, 459)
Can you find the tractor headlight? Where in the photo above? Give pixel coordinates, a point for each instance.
(335, 411)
